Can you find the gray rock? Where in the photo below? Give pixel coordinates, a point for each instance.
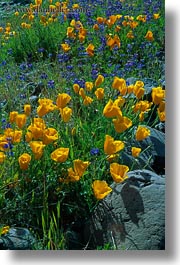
(132, 217)
(17, 239)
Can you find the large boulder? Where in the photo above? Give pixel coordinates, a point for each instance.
(132, 216)
(17, 239)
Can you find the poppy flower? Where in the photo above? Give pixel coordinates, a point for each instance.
(120, 84)
(87, 101)
(60, 155)
(135, 151)
(118, 172)
(89, 86)
(27, 109)
(2, 157)
(12, 116)
(90, 49)
(99, 80)
(62, 100)
(20, 120)
(100, 189)
(112, 146)
(99, 93)
(78, 171)
(111, 110)
(142, 133)
(121, 124)
(149, 36)
(66, 114)
(158, 95)
(65, 47)
(24, 161)
(49, 135)
(37, 148)
(76, 88)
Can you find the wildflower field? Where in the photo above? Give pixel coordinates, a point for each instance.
(81, 84)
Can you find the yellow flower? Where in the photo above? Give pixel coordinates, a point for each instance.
(138, 89)
(82, 93)
(156, 16)
(120, 84)
(90, 49)
(36, 128)
(45, 106)
(15, 135)
(87, 101)
(119, 101)
(113, 42)
(112, 146)
(2, 157)
(142, 133)
(66, 114)
(158, 95)
(12, 116)
(111, 110)
(89, 86)
(121, 124)
(99, 80)
(38, 2)
(76, 88)
(27, 109)
(100, 20)
(79, 169)
(75, 6)
(142, 105)
(100, 189)
(4, 230)
(99, 93)
(130, 35)
(161, 111)
(20, 120)
(141, 18)
(149, 36)
(118, 172)
(16, 13)
(70, 32)
(135, 151)
(37, 148)
(95, 27)
(60, 155)
(65, 47)
(31, 17)
(24, 161)
(50, 135)
(62, 100)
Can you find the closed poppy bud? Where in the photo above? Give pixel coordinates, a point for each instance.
(112, 146)
(79, 169)
(89, 86)
(60, 155)
(135, 151)
(100, 189)
(50, 135)
(2, 157)
(24, 161)
(76, 88)
(99, 93)
(118, 172)
(95, 27)
(142, 133)
(141, 116)
(27, 109)
(20, 120)
(99, 80)
(62, 100)
(100, 20)
(66, 114)
(82, 93)
(149, 36)
(139, 92)
(12, 116)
